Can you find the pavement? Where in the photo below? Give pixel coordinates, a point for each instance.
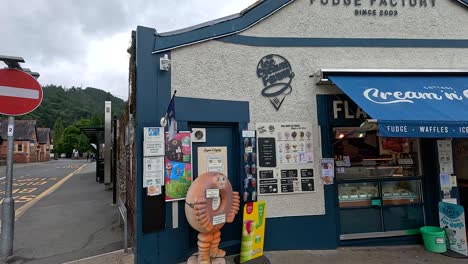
(70, 218)
(348, 255)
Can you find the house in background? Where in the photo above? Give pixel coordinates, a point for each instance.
(26, 147)
(44, 140)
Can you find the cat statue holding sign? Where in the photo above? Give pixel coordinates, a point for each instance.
(210, 203)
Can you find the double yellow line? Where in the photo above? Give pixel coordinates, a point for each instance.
(20, 211)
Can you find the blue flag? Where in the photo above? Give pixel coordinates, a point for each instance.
(171, 121)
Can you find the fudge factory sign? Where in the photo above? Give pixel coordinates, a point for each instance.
(276, 74)
(377, 8)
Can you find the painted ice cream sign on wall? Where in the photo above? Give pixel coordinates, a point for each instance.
(381, 8)
(276, 74)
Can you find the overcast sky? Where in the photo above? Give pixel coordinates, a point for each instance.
(84, 42)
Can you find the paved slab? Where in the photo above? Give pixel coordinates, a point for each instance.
(362, 255)
(351, 255)
(76, 221)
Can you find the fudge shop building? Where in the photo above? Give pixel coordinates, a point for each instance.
(358, 107)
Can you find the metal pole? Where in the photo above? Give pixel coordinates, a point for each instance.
(114, 162)
(8, 205)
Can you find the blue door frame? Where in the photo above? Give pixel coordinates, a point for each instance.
(227, 135)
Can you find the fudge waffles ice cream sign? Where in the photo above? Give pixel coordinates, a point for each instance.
(276, 74)
(412, 106)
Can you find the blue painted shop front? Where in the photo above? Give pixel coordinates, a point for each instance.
(166, 245)
(369, 224)
(174, 245)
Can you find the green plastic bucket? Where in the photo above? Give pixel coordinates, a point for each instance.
(434, 239)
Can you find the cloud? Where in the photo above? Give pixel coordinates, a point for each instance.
(84, 43)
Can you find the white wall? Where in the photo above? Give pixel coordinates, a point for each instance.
(447, 20)
(218, 70)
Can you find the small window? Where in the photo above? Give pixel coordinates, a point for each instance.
(20, 147)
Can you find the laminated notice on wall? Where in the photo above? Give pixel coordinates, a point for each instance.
(445, 156)
(212, 159)
(285, 158)
(153, 171)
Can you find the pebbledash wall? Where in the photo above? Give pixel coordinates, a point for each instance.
(311, 35)
(222, 70)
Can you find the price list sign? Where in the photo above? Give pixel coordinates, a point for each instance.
(285, 158)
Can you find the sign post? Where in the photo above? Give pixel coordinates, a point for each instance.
(20, 94)
(8, 205)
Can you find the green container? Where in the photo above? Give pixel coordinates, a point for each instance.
(434, 239)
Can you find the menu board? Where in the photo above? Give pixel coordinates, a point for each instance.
(285, 158)
(266, 152)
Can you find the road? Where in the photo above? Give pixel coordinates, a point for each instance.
(32, 179)
(62, 213)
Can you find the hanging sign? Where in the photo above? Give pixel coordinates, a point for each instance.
(178, 166)
(285, 158)
(452, 218)
(253, 231)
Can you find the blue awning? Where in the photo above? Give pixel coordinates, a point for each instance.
(411, 106)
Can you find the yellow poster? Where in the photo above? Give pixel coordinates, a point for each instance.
(253, 231)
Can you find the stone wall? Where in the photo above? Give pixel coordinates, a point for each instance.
(126, 152)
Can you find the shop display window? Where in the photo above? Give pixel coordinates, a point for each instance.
(366, 155)
(357, 194)
(401, 192)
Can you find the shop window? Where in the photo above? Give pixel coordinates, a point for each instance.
(363, 155)
(379, 183)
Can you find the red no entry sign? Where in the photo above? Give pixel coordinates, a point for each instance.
(20, 93)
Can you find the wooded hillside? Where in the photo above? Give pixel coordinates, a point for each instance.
(72, 105)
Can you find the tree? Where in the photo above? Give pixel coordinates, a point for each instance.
(73, 138)
(97, 121)
(58, 129)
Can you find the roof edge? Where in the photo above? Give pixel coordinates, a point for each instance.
(220, 27)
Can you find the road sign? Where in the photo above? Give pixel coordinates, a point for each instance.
(20, 93)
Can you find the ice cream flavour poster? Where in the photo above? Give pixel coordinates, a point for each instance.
(178, 166)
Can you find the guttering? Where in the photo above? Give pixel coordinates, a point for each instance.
(321, 76)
